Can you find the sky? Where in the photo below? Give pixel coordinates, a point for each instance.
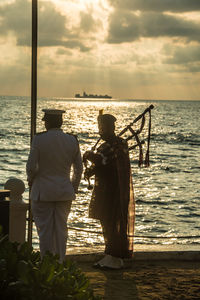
(129, 49)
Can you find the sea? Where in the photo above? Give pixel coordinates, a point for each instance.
(167, 193)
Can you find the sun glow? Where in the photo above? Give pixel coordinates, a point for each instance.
(78, 3)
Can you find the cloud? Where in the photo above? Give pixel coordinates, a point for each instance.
(182, 55)
(158, 5)
(87, 22)
(128, 27)
(15, 18)
(185, 58)
(52, 26)
(15, 79)
(70, 44)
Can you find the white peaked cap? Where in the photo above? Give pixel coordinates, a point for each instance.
(53, 111)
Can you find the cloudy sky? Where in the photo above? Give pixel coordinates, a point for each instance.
(135, 49)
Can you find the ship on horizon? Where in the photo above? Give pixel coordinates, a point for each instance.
(91, 96)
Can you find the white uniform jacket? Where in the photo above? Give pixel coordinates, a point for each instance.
(52, 155)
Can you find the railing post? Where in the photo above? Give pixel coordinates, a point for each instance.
(4, 211)
(17, 210)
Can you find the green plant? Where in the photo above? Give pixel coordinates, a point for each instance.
(24, 276)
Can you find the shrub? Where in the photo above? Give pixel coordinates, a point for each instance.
(24, 276)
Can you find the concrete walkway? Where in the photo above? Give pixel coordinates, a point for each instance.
(149, 275)
(146, 280)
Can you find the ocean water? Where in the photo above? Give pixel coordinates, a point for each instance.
(167, 193)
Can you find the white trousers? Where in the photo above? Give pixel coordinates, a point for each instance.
(51, 223)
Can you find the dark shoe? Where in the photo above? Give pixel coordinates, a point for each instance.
(105, 268)
(96, 266)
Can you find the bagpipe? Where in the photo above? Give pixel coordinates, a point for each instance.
(132, 134)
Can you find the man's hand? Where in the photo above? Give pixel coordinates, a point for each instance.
(88, 155)
(30, 182)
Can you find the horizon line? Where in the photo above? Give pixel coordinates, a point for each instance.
(99, 99)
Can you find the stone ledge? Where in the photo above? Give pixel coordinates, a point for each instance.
(139, 256)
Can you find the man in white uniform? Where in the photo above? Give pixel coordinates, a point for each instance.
(52, 156)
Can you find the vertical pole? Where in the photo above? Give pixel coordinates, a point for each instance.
(33, 94)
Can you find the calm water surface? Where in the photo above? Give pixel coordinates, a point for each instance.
(167, 193)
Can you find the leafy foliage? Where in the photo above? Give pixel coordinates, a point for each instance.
(24, 276)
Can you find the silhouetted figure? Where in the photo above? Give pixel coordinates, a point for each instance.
(112, 199)
(52, 155)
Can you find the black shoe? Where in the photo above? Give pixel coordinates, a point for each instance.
(104, 268)
(96, 266)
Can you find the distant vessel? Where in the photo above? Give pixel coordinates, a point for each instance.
(85, 95)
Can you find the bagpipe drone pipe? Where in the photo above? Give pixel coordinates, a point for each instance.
(129, 134)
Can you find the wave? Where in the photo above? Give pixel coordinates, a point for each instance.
(171, 169)
(177, 138)
(185, 216)
(12, 170)
(14, 150)
(161, 203)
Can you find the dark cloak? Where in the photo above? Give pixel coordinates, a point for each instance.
(112, 199)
